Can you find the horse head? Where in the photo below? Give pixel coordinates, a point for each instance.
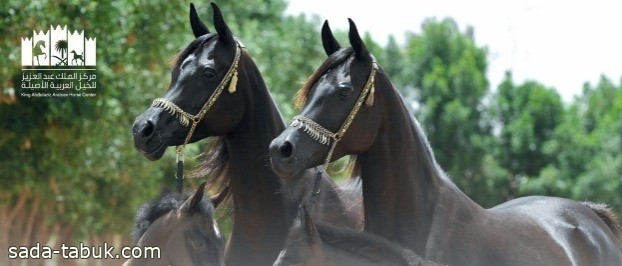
(338, 117)
(202, 93)
(304, 244)
(184, 230)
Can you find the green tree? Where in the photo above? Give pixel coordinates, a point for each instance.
(527, 116)
(586, 149)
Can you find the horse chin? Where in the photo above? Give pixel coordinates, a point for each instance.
(155, 154)
(289, 169)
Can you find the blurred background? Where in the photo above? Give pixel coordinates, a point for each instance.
(69, 172)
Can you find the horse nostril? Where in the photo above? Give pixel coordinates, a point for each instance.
(286, 149)
(148, 129)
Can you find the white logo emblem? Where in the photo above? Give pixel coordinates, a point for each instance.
(58, 47)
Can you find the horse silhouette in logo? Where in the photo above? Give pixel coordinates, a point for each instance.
(37, 51)
(77, 57)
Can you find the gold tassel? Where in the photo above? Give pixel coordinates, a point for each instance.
(370, 97)
(234, 82)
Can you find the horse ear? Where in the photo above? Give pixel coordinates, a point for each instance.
(309, 225)
(198, 28)
(224, 33)
(220, 197)
(360, 50)
(192, 204)
(328, 40)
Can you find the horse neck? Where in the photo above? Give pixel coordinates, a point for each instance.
(401, 180)
(261, 216)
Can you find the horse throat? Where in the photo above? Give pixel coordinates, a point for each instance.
(261, 217)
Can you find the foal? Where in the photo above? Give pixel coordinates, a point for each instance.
(311, 244)
(182, 227)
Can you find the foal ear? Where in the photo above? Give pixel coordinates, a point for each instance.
(310, 229)
(224, 33)
(328, 40)
(198, 28)
(193, 203)
(220, 197)
(360, 50)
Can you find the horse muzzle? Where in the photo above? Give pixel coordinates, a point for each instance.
(148, 138)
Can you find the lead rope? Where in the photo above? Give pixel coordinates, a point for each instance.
(324, 136)
(185, 118)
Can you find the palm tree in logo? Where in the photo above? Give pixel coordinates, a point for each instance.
(61, 47)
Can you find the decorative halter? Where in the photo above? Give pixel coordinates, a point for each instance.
(185, 118)
(325, 136)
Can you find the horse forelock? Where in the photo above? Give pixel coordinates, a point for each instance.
(331, 62)
(178, 58)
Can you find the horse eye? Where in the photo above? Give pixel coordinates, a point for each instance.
(198, 243)
(344, 92)
(208, 72)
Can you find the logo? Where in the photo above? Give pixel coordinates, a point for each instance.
(58, 63)
(58, 47)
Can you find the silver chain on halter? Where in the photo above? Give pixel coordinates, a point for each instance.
(185, 118)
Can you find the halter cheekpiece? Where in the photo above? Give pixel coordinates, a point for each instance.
(185, 118)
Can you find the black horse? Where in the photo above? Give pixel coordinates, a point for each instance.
(408, 198)
(216, 79)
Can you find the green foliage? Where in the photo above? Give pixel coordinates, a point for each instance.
(78, 153)
(528, 115)
(584, 151)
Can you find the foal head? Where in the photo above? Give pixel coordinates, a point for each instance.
(303, 245)
(182, 227)
(338, 109)
(202, 92)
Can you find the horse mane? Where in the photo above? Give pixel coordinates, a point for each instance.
(367, 245)
(214, 162)
(332, 61)
(167, 201)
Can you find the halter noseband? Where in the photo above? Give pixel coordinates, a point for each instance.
(185, 118)
(325, 136)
